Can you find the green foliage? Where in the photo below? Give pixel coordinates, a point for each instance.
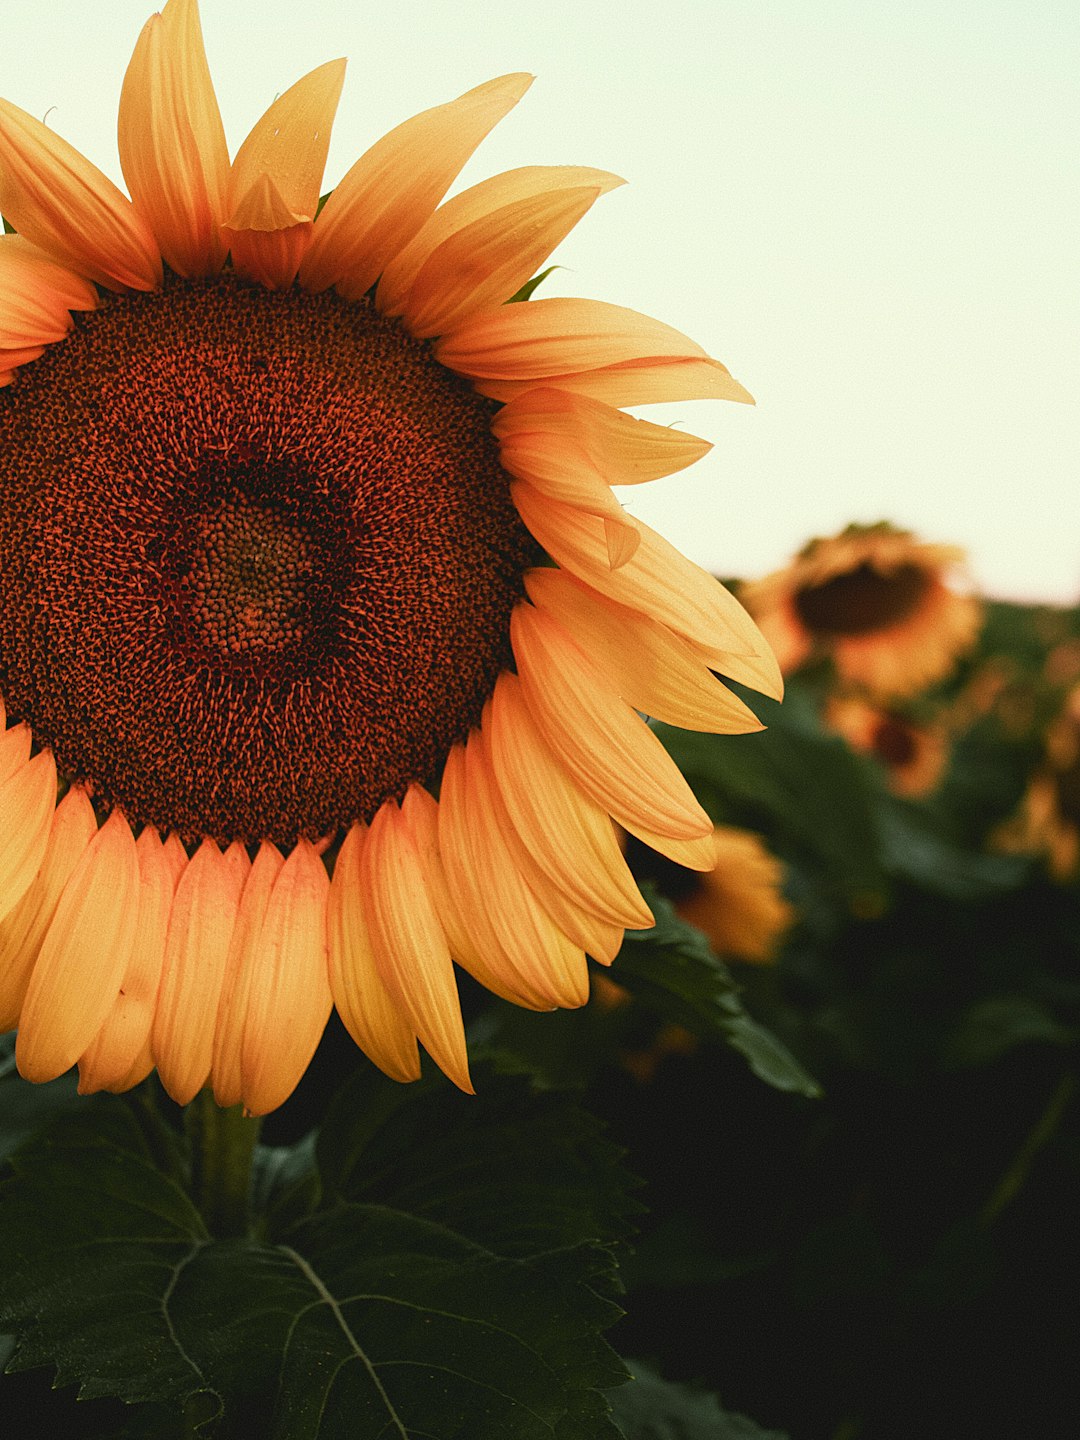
(526, 291)
(672, 969)
(803, 788)
(435, 1290)
(650, 1408)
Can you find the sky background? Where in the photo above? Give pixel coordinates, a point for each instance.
(867, 211)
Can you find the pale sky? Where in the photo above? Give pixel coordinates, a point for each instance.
(867, 211)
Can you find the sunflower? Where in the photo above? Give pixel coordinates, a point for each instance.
(876, 601)
(738, 903)
(914, 753)
(1048, 820)
(323, 636)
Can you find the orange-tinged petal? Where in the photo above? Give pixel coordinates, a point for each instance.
(560, 469)
(14, 750)
(409, 944)
(83, 957)
(648, 381)
(27, 805)
(21, 933)
(657, 581)
(570, 836)
(696, 854)
(393, 188)
(122, 1042)
(273, 190)
(374, 1020)
(201, 924)
(244, 958)
(12, 359)
(625, 450)
(420, 812)
(482, 245)
(172, 142)
(557, 335)
(26, 271)
(608, 749)
(651, 667)
(36, 298)
(530, 960)
(290, 1001)
(54, 197)
(581, 926)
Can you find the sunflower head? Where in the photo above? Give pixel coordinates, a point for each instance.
(1048, 820)
(301, 527)
(913, 752)
(876, 601)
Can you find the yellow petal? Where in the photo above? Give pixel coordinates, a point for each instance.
(625, 450)
(696, 854)
(482, 245)
(420, 812)
(650, 666)
(117, 1049)
(14, 750)
(560, 468)
(290, 1001)
(54, 197)
(530, 960)
(241, 967)
(374, 1020)
(549, 337)
(393, 188)
(201, 924)
(647, 381)
(569, 834)
(172, 142)
(581, 925)
(27, 805)
(608, 749)
(273, 190)
(83, 957)
(657, 581)
(36, 297)
(409, 944)
(21, 933)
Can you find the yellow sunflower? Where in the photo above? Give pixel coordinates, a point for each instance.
(874, 599)
(1048, 820)
(318, 611)
(913, 753)
(739, 902)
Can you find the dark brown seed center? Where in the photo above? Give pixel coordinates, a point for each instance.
(257, 558)
(862, 601)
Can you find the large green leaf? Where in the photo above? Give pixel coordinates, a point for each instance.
(440, 1291)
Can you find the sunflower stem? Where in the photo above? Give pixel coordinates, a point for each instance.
(222, 1148)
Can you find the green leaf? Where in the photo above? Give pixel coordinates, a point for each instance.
(650, 1408)
(915, 851)
(999, 1023)
(673, 970)
(530, 285)
(26, 1109)
(805, 790)
(531, 1171)
(451, 1286)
